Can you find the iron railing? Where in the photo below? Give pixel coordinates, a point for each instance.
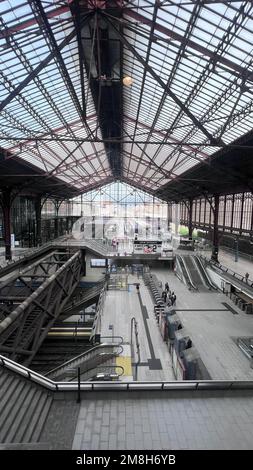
(125, 386)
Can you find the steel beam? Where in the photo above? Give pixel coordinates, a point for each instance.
(24, 329)
(163, 85)
(215, 58)
(35, 72)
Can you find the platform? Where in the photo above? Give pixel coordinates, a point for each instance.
(120, 307)
(213, 328)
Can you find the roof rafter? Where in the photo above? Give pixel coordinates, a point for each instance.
(170, 93)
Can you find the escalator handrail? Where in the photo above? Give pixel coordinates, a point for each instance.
(190, 281)
(114, 366)
(92, 367)
(201, 273)
(210, 283)
(181, 264)
(85, 354)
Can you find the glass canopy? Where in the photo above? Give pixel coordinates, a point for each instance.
(191, 94)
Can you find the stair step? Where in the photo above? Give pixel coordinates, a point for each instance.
(42, 419)
(6, 380)
(14, 404)
(12, 389)
(17, 424)
(32, 417)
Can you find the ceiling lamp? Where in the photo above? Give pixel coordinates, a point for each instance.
(127, 81)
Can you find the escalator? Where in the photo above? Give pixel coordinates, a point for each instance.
(197, 273)
(88, 362)
(194, 272)
(204, 274)
(185, 273)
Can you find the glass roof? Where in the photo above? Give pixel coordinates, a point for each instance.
(46, 109)
(191, 65)
(202, 51)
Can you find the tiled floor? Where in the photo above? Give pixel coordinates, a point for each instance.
(213, 329)
(120, 308)
(183, 420)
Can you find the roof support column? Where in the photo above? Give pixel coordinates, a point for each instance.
(83, 262)
(190, 227)
(215, 208)
(6, 200)
(38, 208)
(57, 205)
(169, 216)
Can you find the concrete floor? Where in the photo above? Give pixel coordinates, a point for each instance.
(227, 259)
(120, 307)
(213, 328)
(165, 421)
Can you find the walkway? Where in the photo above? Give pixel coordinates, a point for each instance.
(161, 420)
(227, 259)
(213, 323)
(120, 307)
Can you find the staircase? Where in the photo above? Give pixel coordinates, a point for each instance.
(24, 407)
(82, 300)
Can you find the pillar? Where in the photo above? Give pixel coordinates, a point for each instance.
(6, 202)
(56, 227)
(38, 208)
(190, 228)
(215, 249)
(168, 215)
(56, 220)
(84, 262)
(81, 205)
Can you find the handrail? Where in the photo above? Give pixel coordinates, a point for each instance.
(114, 337)
(190, 281)
(204, 274)
(188, 272)
(125, 386)
(85, 354)
(229, 271)
(200, 271)
(112, 366)
(31, 251)
(135, 324)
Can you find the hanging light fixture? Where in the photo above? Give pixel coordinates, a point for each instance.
(127, 81)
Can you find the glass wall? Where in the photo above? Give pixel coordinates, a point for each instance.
(235, 213)
(120, 210)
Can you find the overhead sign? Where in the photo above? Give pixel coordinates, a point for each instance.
(148, 246)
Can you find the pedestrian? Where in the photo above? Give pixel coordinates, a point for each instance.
(164, 295)
(173, 298)
(169, 303)
(246, 277)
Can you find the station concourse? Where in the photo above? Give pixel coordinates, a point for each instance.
(126, 225)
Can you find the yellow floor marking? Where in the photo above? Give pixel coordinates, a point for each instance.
(124, 362)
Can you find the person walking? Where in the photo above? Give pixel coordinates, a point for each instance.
(164, 296)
